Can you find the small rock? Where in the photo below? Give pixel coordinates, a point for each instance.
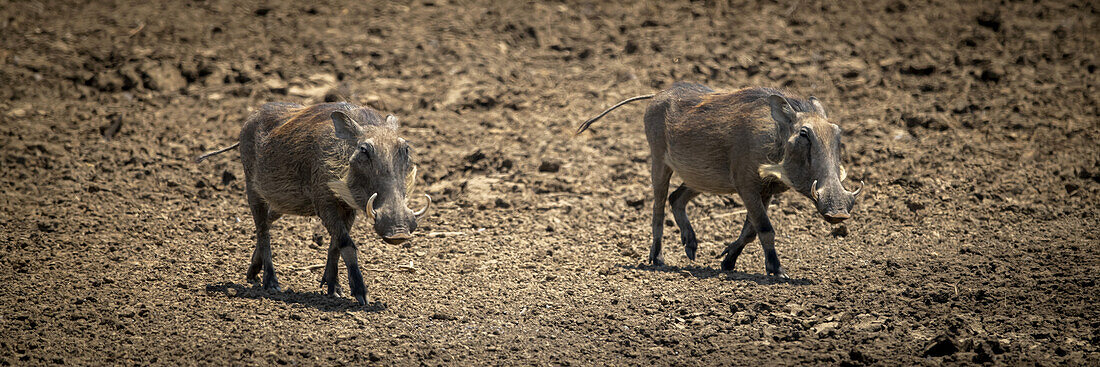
(990, 20)
(900, 134)
(867, 323)
(826, 328)
(475, 157)
(275, 85)
(107, 81)
(549, 166)
(163, 77)
(919, 66)
(796, 309)
(479, 190)
(443, 316)
(913, 205)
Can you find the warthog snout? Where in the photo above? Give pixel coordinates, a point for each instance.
(395, 223)
(836, 217)
(397, 238)
(833, 201)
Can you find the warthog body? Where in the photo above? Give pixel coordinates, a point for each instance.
(326, 160)
(755, 142)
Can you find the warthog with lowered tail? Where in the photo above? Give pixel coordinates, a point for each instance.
(326, 160)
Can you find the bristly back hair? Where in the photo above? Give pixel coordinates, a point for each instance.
(760, 95)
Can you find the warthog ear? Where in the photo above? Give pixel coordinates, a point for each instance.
(782, 112)
(410, 180)
(391, 121)
(345, 126)
(818, 107)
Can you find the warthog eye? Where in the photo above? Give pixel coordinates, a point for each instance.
(365, 148)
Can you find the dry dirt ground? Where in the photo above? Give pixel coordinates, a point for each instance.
(974, 126)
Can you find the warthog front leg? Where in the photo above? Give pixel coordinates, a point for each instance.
(757, 209)
(733, 250)
(678, 201)
(338, 221)
(330, 280)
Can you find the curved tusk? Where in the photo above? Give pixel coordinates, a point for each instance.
(859, 190)
(813, 190)
(419, 214)
(370, 206)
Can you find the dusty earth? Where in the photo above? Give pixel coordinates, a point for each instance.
(974, 126)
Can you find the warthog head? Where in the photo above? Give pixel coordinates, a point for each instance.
(380, 175)
(811, 157)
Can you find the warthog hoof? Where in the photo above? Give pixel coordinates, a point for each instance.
(689, 248)
(272, 285)
(332, 288)
(778, 272)
(729, 262)
(656, 260)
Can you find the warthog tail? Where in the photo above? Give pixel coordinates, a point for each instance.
(585, 125)
(216, 152)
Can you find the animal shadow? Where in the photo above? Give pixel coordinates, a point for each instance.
(317, 300)
(707, 273)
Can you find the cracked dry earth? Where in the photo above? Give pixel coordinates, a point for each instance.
(974, 126)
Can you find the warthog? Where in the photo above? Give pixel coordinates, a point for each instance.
(756, 142)
(327, 160)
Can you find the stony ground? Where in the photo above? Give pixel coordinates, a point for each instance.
(974, 126)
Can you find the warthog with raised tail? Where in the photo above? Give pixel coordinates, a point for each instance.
(756, 142)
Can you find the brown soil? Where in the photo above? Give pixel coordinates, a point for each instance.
(974, 126)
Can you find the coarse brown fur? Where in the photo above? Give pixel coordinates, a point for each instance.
(326, 160)
(756, 142)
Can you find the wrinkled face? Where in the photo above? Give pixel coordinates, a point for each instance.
(380, 176)
(812, 159)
